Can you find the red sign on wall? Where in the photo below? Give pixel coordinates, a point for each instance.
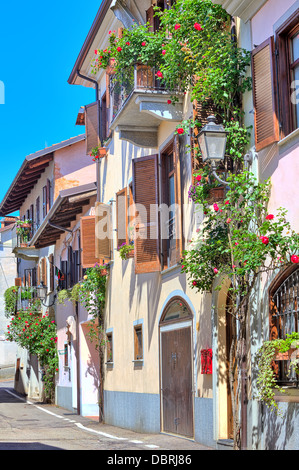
(206, 361)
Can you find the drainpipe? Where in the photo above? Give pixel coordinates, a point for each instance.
(99, 127)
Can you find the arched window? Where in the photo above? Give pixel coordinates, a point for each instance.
(176, 310)
(284, 312)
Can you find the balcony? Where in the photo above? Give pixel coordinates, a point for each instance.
(138, 105)
(25, 231)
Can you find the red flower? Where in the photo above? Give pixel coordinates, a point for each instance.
(163, 52)
(215, 270)
(197, 26)
(96, 51)
(159, 74)
(216, 208)
(198, 178)
(180, 130)
(194, 283)
(177, 26)
(169, 101)
(143, 43)
(265, 240)
(295, 259)
(119, 49)
(270, 217)
(127, 43)
(226, 202)
(229, 220)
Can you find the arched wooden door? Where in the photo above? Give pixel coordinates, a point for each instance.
(176, 366)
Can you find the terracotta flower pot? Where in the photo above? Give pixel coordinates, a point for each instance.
(216, 195)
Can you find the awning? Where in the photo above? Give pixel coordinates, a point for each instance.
(64, 211)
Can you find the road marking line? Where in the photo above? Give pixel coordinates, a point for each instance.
(79, 425)
(101, 433)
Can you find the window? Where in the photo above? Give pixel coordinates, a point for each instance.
(287, 50)
(158, 215)
(170, 219)
(109, 347)
(138, 343)
(284, 313)
(37, 212)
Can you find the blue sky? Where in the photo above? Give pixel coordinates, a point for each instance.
(40, 42)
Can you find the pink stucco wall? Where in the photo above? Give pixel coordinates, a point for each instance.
(72, 167)
(262, 23)
(284, 183)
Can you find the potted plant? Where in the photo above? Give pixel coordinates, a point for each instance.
(126, 250)
(23, 230)
(98, 152)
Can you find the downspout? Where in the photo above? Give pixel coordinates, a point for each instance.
(99, 127)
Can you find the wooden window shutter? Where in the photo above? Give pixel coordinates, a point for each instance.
(122, 217)
(92, 126)
(44, 271)
(88, 241)
(150, 18)
(178, 200)
(48, 203)
(18, 281)
(264, 95)
(38, 277)
(51, 262)
(103, 231)
(145, 187)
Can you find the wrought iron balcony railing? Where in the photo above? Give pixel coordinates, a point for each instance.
(139, 78)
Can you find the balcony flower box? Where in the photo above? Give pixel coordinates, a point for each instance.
(98, 152)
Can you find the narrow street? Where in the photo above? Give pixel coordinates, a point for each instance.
(29, 425)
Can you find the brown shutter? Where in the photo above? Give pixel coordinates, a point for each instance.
(103, 231)
(18, 281)
(145, 181)
(51, 262)
(44, 271)
(122, 217)
(38, 274)
(150, 18)
(264, 95)
(88, 241)
(92, 126)
(178, 200)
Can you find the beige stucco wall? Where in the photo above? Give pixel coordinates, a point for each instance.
(133, 297)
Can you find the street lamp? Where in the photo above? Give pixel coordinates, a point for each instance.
(212, 143)
(41, 291)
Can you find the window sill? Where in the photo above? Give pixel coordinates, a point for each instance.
(171, 269)
(291, 395)
(289, 140)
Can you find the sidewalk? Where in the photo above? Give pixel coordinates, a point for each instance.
(115, 434)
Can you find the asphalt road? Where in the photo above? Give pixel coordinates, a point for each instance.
(29, 425)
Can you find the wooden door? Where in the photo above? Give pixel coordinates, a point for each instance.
(176, 382)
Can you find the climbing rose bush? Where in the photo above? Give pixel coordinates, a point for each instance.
(239, 238)
(38, 335)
